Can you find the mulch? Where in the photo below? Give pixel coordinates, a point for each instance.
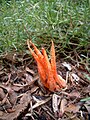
(23, 97)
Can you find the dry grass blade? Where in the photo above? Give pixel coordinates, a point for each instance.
(40, 102)
(49, 113)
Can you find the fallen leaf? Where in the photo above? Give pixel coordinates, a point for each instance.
(1, 113)
(28, 78)
(2, 94)
(12, 96)
(63, 106)
(85, 99)
(75, 77)
(72, 108)
(67, 65)
(34, 89)
(74, 93)
(30, 71)
(20, 108)
(70, 116)
(55, 102)
(17, 88)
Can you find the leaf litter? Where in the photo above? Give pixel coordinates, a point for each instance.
(23, 97)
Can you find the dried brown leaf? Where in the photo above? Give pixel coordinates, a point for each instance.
(30, 71)
(28, 78)
(12, 97)
(17, 88)
(1, 113)
(72, 108)
(34, 89)
(63, 106)
(2, 94)
(70, 116)
(18, 108)
(74, 94)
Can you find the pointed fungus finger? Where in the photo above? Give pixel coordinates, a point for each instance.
(53, 62)
(39, 54)
(28, 43)
(32, 52)
(46, 60)
(47, 66)
(53, 59)
(60, 81)
(41, 72)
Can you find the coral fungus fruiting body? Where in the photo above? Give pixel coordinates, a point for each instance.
(47, 69)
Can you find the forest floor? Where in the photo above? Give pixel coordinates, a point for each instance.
(22, 96)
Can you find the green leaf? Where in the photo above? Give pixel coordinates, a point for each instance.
(85, 99)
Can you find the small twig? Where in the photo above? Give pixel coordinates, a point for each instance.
(46, 110)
